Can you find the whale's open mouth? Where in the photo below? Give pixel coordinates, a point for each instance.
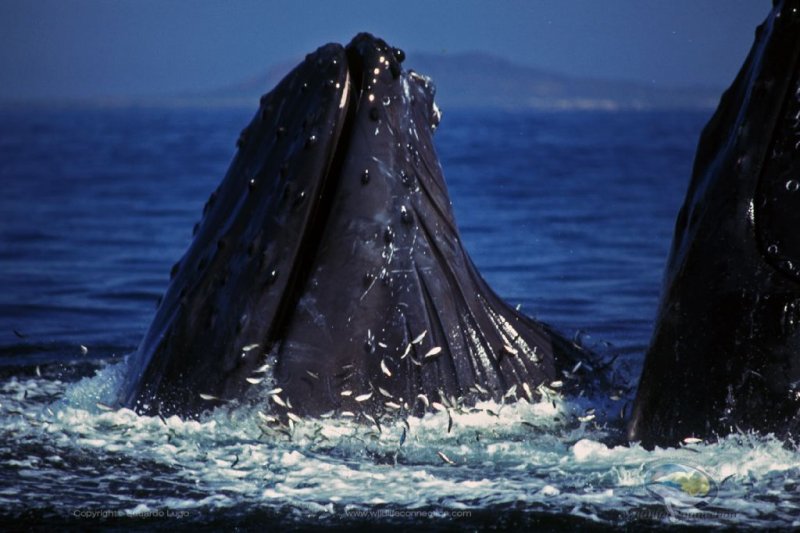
(328, 262)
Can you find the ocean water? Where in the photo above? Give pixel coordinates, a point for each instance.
(569, 215)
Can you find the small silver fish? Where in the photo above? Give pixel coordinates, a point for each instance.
(277, 399)
(527, 390)
(363, 397)
(438, 406)
(408, 350)
(419, 337)
(436, 350)
(445, 458)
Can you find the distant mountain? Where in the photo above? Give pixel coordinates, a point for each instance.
(479, 80)
(482, 80)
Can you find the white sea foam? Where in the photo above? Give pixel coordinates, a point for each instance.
(535, 455)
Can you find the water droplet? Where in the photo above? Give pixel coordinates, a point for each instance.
(388, 235)
(251, 184)
(280, 132)
(373, 114)
(365, 177)
(405, 178)
(386, 100)
(273, 276)
(405, 215)
(399, 55)
(300, 198)
(311, 141)
(793, 185)
(368, 277)
(772, 249)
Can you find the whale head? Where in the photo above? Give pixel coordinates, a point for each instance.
(328, 265)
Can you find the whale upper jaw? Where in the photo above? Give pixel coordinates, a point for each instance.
(329, 265)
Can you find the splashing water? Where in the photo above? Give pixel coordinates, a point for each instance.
(67, 456)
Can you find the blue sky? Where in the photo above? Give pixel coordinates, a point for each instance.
(97, 48)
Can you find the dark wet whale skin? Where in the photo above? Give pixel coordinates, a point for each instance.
(331, 244)
(725, 354)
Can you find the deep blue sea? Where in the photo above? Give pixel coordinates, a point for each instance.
(568, 214)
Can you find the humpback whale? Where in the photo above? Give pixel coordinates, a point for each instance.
(725, 353)
(328, 274)
(328, 264)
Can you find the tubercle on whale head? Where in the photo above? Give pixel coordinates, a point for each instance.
(372, 61)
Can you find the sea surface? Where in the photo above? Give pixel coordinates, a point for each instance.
(568, 214)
